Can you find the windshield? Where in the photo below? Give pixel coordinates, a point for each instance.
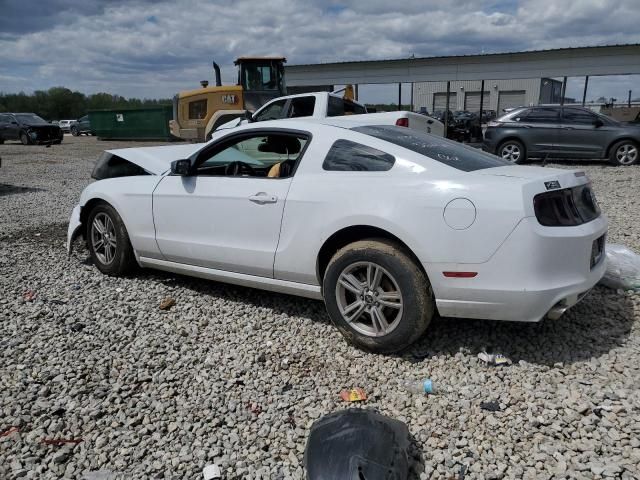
(31, 119)
(440, 149)
(262, 77)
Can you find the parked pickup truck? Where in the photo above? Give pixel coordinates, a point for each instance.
(325, 104)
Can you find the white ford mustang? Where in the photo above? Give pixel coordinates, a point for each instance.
(386, 224)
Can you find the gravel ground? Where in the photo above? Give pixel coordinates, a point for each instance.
(237, 376)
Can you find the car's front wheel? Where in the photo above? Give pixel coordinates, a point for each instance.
(377, 296)
(24, 138)
(108, 241)
(512, 151)
(624, 152)
(75, 132)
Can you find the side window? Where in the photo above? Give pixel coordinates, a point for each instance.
(301, 107)
(266, 156)
(348, 156)
(541, 115)
(4, 119)
(197, 109)
(273, 111)
(578, 116)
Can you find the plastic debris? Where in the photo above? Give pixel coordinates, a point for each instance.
(254, 408)
(211, 472)
(167, 303)
(494, 359)
(353, 395)
(9, 431)
(61, 441)
(357, 444)
(623, 268)
(418, 386)
(29, 295)
(492, 406)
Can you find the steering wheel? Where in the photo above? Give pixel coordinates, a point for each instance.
(234, 169)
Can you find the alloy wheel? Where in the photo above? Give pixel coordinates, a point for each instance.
(103, 238)
(511, 152)
(369, 299)
(627, 154)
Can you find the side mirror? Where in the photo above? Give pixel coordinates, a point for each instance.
(248, 115)
(598, 123)
(181, 167)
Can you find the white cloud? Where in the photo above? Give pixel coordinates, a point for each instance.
(153, 49)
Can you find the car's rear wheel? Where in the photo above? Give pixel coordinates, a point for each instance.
(75, 132)
(512, 151)
(24, 138)
(377, 296)
(624, 152)
(108, 241)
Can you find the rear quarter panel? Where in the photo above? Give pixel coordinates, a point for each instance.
(408, 201)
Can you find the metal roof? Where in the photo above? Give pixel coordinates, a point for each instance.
(465, 55)
(573, 61)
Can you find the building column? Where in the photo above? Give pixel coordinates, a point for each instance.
(446, 110)
(584, 92)
(412, 107)
(564, 90)
(481, 99)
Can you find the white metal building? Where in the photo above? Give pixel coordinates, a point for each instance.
(498, 94)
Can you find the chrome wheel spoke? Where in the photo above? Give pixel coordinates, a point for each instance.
(351, 283)
(353, 311)
(390, 299)
(97, 224)
(379, 321)
(374, 275)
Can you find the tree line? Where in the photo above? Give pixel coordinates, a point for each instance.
(60, 103)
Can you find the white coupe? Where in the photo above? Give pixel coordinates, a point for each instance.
(386, 224)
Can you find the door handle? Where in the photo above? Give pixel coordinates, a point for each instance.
(262, 198)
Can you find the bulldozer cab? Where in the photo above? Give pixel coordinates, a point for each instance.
(262, 79)
(197, 113)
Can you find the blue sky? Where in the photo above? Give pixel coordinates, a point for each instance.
(154, 48)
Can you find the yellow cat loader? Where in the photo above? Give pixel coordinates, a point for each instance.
(197, 113)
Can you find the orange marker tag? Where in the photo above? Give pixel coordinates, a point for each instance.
(353, 395)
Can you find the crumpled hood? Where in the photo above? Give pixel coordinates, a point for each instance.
(157, 160)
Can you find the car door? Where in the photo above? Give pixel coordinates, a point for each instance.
(226, 215)
(540, 129)
(582, 134)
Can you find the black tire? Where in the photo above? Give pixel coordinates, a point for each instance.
(123, 259)
(512, 146)
(75, 132)
(624, 153)
(24, 138)
(416, 297)
(1, 141)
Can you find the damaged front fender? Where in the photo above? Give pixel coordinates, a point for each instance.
(74, 228)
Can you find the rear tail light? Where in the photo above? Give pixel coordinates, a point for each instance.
(402, 122)
(567, 207)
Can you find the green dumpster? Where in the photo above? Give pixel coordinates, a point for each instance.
(144, 123)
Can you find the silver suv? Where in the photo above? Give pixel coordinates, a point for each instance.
(561, 132)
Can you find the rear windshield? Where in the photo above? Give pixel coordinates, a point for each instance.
(453, 154)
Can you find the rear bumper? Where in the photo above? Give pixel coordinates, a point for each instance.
(537, 271)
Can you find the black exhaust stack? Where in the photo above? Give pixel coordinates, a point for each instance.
(216, 69)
